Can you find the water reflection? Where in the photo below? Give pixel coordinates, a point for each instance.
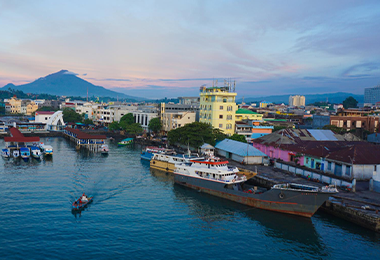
(215, 211)
(162, 176)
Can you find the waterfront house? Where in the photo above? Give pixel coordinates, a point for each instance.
(322, 150)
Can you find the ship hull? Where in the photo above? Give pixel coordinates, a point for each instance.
(294, 202)
(162, 165)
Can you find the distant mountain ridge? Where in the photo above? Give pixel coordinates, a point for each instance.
(65, 83)
(337, 97)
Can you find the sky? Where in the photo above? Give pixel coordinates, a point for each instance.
(156, 49)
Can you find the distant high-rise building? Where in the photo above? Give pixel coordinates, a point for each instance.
(297, 101)
(372, 95)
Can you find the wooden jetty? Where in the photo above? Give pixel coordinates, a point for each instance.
(84, 140)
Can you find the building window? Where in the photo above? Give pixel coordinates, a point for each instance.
(221, 107)
(375, 168)
(329, 166)
(307, 160)
(229, 117)
(348, 170)
(220, 125)
(220, 116)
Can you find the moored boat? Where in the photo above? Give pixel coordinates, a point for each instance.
(35, 152)
(5, 153)
(47, 150)
(25, 153)
(166, 161)
(125, 141)
(81, 203)
(215, 177)
(147, 154)
(15, 154)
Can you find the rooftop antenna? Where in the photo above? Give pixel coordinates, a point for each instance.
(234, 85)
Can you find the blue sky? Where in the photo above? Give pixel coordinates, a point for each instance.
(159, 49)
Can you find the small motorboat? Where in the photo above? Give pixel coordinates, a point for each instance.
(104, 149)
(35, 152)
(5, 153)
(125, 142)
(25, 153)
(16, 154)
(79, 204)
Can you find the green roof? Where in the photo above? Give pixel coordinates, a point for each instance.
(245, 111)
(276, 120)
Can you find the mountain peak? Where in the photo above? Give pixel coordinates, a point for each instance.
(67, 83)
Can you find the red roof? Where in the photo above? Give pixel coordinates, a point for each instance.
(45, 112)
(81, 135)
(18, 137)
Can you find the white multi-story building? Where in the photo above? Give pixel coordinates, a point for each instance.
(144, 114)
(297, 101)
(87, 109)
(121, 110)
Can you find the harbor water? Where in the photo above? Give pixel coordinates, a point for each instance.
(138, 213)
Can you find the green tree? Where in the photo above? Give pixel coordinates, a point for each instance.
(350, 102)
(195, 134)
(69, 115)
(240, 138)
(155, 125)
(88, 122)
(128, 119)
(134, 129)
(114, 125)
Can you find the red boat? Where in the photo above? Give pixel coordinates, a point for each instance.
(80, 204)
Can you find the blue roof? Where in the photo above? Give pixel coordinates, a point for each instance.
(238, 148)
(322, 135)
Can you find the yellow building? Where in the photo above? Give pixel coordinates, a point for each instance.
(31, 108)
(217, 108)
(14, 105)
(245, 114)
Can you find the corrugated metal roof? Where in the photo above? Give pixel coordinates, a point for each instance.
(238, 148)
(323, 135)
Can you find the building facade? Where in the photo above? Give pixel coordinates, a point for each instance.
(217, 108)
(372, 95)
(172, 121)
(13, 106)
(297, 101)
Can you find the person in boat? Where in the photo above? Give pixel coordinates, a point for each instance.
(84, 198)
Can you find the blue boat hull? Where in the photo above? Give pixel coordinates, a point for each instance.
(146, 156)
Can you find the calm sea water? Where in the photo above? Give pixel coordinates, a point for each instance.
(139, 213)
